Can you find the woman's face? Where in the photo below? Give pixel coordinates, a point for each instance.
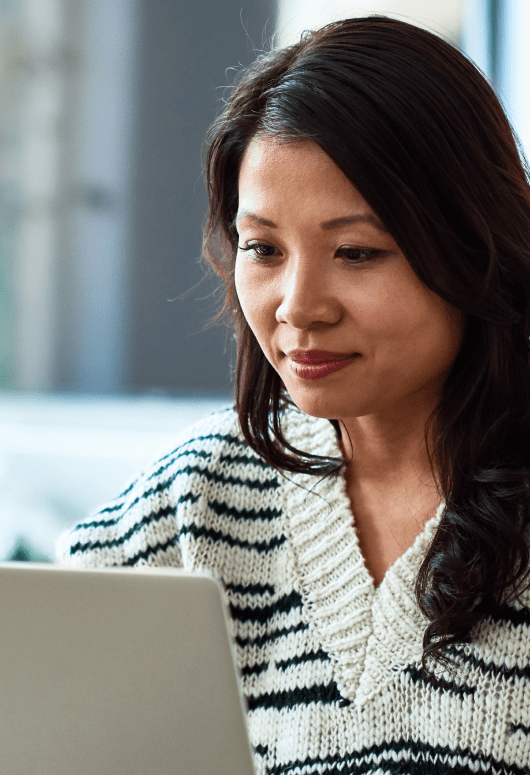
(332, 301)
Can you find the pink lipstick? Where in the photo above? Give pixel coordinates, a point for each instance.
(315, 364)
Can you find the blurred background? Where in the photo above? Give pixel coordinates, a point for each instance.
(107, 349)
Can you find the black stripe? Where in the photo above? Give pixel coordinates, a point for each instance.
(261, 640)
(194, 530)
(214, 476)
(291, 697)
(284, 604)
(182, 450)
(224, 510)
(146, 493)
(251, 589)
(489, 668)
(102, 522)
(399, 757)
(506, 614)
(154, 516)
(110, 522)
(519, 728)
(420, 676)
(160, 488)
(270, 484)
(251, 459)
(151, 550)
(254, 669)
(121, 495)
(199, 531)
(217, 506)
(230, 438)
(310, 656)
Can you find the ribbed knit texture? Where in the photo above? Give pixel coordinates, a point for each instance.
(331, 666)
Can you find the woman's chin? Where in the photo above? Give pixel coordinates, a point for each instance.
(328, 407)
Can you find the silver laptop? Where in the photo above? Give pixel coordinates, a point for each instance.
(117, 672)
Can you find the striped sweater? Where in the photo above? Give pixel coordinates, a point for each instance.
(331, 666)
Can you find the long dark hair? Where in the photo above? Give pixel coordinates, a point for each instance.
(420, 133)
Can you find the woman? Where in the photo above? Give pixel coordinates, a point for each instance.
(366, 505)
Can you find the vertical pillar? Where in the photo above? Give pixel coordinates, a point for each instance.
(478, 34)
(513, 70)
(97, 162)
(39, 73)
(187, 56)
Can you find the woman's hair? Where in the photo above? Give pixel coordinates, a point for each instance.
(420, 133)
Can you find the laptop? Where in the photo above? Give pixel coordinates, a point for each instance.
(119, 671)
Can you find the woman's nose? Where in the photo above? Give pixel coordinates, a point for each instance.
(307, 297)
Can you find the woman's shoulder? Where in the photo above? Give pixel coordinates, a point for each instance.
(139, 525)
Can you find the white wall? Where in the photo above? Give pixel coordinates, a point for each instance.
(441, 16)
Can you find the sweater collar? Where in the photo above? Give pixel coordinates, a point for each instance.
(370, 634)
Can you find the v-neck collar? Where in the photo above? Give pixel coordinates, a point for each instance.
(370, 633)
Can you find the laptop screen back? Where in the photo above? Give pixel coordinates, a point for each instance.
(118, 672)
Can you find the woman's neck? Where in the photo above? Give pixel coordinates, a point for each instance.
(389, 483)
(381, 450)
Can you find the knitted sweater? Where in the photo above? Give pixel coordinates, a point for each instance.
(330, 665)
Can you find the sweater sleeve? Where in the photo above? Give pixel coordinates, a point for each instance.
(137, 528)
(146, 523)
(186, 509)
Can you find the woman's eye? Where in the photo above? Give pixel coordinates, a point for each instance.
(359, 255)
(259, 249)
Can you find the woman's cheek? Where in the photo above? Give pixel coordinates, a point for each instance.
(243, 290)
(379, 307)
(255, 298)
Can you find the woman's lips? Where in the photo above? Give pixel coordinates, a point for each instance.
(315, 364)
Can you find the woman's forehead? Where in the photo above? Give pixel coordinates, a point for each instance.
(278, 178)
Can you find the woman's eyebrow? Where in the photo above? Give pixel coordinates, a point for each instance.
(349, 220)
(335, 223)
(254, 217)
